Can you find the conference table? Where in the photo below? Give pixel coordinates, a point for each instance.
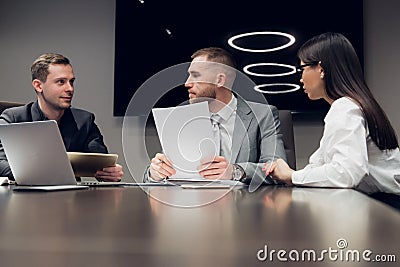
(172, 226)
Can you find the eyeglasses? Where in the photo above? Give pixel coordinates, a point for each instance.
(300, 68)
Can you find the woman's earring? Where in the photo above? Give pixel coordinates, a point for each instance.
(322, 76)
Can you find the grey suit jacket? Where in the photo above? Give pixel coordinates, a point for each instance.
(256, 139)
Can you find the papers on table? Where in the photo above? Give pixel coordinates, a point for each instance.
(202, 181)
(186, 136)
(186, 183)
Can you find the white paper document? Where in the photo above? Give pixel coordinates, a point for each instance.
(185, 134)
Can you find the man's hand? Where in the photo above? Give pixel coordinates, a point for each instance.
(161, 167)
(110, 174)
(216, 168)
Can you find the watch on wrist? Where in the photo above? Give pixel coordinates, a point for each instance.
(238, 173)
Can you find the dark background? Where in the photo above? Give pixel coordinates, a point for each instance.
(143, 46)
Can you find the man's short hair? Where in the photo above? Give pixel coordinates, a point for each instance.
(40, 67)
(216, 54)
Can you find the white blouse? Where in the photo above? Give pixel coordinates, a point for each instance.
(348, 158)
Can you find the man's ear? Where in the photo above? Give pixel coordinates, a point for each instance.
(37, 84)
(221, 79)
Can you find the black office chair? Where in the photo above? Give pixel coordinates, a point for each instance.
(285, 117)
(9, 104)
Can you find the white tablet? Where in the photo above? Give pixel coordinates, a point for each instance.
(87, 164)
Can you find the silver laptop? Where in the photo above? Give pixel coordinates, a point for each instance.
(39, 161)
(37, 156)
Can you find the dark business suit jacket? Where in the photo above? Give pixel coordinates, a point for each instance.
(77, 127)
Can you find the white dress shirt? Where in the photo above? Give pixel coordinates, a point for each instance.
(347, 156)
(226, 127)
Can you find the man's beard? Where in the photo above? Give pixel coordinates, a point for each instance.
(208, 94)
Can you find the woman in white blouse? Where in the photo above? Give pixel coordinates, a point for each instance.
(359, 147)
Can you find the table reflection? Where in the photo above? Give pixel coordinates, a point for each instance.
(130, 225)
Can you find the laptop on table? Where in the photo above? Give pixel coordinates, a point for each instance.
(38, 158)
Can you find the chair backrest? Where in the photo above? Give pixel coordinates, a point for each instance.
(7, 104)
(285, 117)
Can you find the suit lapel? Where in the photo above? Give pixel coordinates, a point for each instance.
(36, 112)
(67, 133)
(242, 123)
(68, 128)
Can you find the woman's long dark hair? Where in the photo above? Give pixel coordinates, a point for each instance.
(344, 77)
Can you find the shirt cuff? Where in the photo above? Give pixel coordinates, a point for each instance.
(297, 177)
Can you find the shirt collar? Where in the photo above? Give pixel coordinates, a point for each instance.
(39, 115)
(229, 109)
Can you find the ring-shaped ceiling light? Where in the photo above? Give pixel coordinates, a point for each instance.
(289, 43)
(291, 71)
(295, 88)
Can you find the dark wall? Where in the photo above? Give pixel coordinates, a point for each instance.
(153, 36)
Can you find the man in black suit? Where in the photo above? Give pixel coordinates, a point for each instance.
(53, 80)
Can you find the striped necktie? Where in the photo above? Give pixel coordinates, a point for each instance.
(215, 120)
